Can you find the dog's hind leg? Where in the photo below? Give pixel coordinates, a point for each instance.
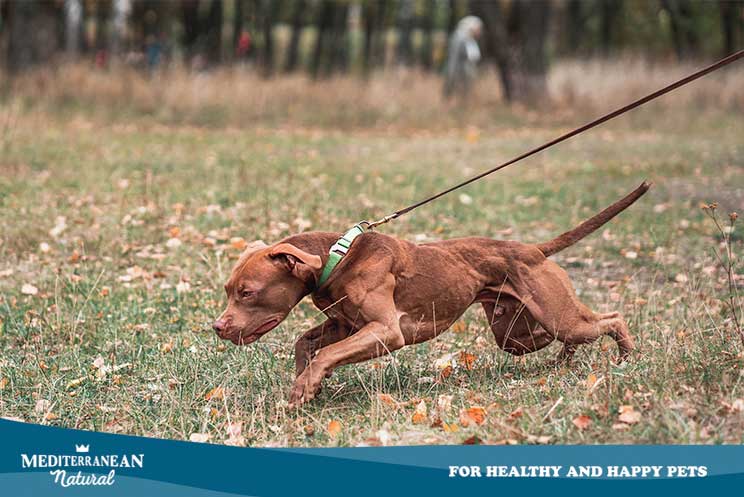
(515, 329)
(553, 302)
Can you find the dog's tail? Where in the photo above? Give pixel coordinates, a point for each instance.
(592, 224)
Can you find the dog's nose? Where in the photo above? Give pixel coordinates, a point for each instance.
(219, 325)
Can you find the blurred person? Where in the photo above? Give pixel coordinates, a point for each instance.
(463, 57)
(244, 45)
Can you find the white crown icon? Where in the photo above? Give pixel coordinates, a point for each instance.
(82, 448)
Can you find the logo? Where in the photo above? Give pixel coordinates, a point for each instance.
(82, 470)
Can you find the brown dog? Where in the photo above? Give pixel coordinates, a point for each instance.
(387, 293)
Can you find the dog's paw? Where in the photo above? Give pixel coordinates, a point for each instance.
(305, 388)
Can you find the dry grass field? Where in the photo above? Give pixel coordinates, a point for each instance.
(124, 201)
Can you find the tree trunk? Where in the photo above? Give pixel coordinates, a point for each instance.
(268, 13)
(682, 23)
(729, 12)
(427, 27)
(453, 16)
(214, 33)
(293, 50)
(339, 47)
(495, 42)
(575, 25)
(121, 10)
(370, 11)
(609, 20)
(33, 36)
(325, 24)
(237, 27)
(405, 29)
(190, 13)
(528, 30)
(73, 27)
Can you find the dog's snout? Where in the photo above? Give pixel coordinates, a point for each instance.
(219, 325)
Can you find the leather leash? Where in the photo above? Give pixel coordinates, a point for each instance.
(622, 110)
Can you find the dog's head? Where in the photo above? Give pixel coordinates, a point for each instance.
(265, 284)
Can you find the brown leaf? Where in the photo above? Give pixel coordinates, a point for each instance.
(420, 415)
(387, 399)
(629, 415)
(199, 437)
(467, 360)
(474, 414)
(459, 327)
(591, 380)
(217, 393)
(450, 427)
(334, 428)
(472, 441)
(582, 421)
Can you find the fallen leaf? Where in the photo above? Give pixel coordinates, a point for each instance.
(459, 327)
(50, 416)
(42, 405)
(472, 441)
(199, 437)
(467, 360)
(217, 393)
(466, 199)
(420, 414)
(446, 372)
(450, 427)
(629, 415)
(334, 428)
(309, 430)
(29, 289)
(238, 243)
(3, 383)
(444, 403)
(591, 380)
(474, 414)
(166, 347)
(387, 399)
(582, 421)
(76, 382)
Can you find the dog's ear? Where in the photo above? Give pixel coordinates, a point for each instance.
(296, 260)
(253, 246)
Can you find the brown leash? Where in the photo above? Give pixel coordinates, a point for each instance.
(692, 77)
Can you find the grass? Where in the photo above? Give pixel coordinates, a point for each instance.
(126, 227)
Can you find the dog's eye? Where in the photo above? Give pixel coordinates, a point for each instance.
(246, 294)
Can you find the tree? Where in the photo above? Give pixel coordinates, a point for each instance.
(325, 25)
(214, 32)
(293, 49)
(427, 27)
(517, 39)
(610, 11)
(33, 34)
(683, 27)
(237, 26)
(732, 17)
(405, 28)
(190, 20)
(268, 9)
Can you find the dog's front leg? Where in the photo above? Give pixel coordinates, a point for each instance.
(330, 331)
(372, 340)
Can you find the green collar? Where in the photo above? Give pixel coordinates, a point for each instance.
(338, 251)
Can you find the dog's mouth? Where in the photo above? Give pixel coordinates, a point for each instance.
(269, 325)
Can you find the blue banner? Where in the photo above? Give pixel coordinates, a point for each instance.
(39, 460)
